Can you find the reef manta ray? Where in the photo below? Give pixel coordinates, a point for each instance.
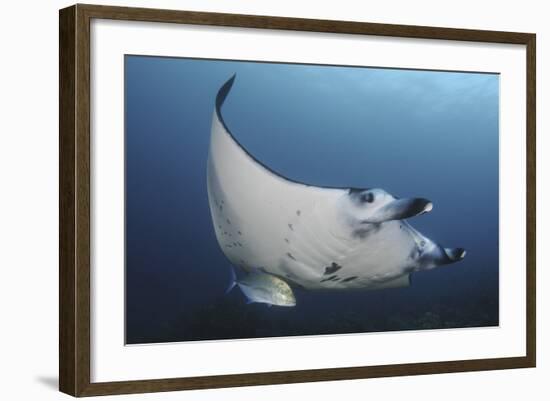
(310, 236)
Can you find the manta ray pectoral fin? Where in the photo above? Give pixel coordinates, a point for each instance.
(399, 209)
(224, 91)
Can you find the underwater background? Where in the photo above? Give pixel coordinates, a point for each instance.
(412, 133)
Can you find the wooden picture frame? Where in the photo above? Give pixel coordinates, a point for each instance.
(74, 203)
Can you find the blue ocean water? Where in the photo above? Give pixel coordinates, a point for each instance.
(413, 133)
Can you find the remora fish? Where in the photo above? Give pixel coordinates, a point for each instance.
(315, 237)
(263, 288)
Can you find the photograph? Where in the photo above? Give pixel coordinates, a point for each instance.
(269, 199)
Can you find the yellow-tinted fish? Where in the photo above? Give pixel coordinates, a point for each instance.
(263, 288)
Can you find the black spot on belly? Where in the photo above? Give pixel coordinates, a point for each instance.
(298, 213)
(349, 279)
(290, 256)
(287, 241)
(240, 233)
(229, 246)
(221, 208)
(329, 278)
(291, 227)
(334, 267)
(228, 222)
(238, 243)
(234, 244)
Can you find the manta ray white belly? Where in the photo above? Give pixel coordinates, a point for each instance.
(303, 234)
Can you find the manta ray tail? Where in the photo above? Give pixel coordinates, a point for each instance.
(232, 280)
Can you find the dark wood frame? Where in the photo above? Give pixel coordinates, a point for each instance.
(74, 199)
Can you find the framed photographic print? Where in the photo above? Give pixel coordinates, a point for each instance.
(252, 200)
